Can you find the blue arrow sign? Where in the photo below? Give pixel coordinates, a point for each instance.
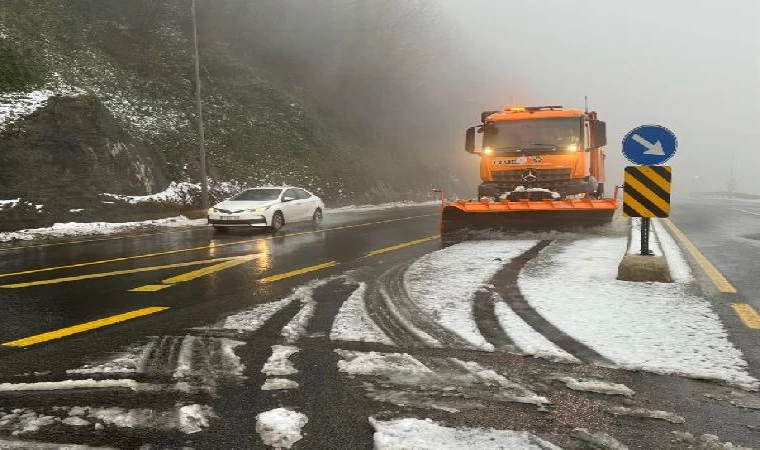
(649, 145)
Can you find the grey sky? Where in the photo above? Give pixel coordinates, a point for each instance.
(692, 66)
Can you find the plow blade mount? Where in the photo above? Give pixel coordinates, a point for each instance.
(526, 214)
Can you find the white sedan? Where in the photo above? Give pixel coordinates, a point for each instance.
(267, 207)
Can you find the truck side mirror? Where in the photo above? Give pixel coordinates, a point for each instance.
(598, 133)
(469, 141)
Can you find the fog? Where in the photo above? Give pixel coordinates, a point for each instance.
(693, 67)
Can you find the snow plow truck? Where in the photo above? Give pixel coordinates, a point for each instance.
(540, 167)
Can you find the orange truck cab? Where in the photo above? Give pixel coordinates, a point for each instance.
(540, 153)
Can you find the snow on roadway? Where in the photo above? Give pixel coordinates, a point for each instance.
(383, 206)
(402, 369)
(281, 427)
(354, 324)
(279, 363)
(598, 386)
(186, 418)
(410, 433)
(444, 282)
(72, 229)
(657, 327)
(529, 341)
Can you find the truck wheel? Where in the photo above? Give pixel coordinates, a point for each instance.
(600, 191)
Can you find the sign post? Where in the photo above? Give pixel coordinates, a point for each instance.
(646, 191)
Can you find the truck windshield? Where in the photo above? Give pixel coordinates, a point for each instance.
(534, 135)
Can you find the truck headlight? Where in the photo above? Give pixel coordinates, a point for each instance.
(572, 148)
(488, 151)
(211, 210)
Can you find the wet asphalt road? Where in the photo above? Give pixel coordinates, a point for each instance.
(344, 238)
(337, 406)
(727, 232)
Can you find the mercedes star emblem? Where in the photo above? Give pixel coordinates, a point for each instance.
(529, 176)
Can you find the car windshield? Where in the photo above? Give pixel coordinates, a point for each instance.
(533, 135)
(257, 195)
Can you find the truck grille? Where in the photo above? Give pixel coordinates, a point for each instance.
(544, 177)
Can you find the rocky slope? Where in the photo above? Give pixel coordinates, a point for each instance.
(91, 102)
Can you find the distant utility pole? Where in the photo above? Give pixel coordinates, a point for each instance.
(201, 144)
(732, 180)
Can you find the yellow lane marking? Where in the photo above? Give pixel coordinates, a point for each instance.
(81, 328)
(294, 273)
(746, 212)
(748, 315)
(205, 247)
(195, 274)
(150, 288)
(720, 282)
(118, 272)
(402, 245)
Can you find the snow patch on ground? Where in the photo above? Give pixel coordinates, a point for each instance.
(598, 386)
(705, 442)
(70, 384)
(296, 328)
(127, 362)
(280, 428)
(279, 363)
(402, 369)
(656, 327)
(71, 229)
(396, 367)
(354, 324)
(194, 418)
(255, 318)
(512, 391)
(175, 193)
(646, 414)
(10, 204)
(528, 340)
(279, 384)
(17, 105)
(444, 282)
(383, 206)
(419, 434)
(598, 439)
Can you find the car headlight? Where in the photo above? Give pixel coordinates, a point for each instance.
(572, 148)
(211, 210)
(262, 209)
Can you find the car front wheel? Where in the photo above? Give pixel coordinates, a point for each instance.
(277, 221)
(316, 218)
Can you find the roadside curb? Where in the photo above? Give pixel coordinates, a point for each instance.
(642, 268)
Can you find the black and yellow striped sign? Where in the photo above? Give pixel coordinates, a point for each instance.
(647, 191)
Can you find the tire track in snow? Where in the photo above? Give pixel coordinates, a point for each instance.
(390, 307)
(505, 282)
(381, 312)
(488, 324)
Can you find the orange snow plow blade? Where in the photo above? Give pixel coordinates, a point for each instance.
(526, 214)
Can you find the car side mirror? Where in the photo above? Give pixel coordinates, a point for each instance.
(598, 133)
(288, 199)
(469, 141)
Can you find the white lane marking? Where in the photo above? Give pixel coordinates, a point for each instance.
(746, 212)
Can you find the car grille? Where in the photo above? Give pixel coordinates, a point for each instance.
(230, 211)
